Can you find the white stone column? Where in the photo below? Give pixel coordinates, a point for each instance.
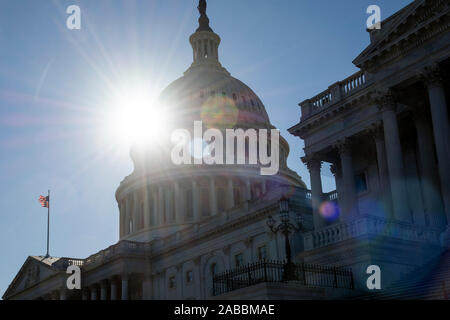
(434, 208)
(161, 203)
(441, 129)
(336, 170)
(113, 288)
(103, 290)
(248, 189)
(195, 201)
(230, 194)
(395, 159)
(136, 211)
(263, 186)
(209, 48)
(122, 219)
(213, 196)
(383, 171)
(127, 214)
(314, 165)
(155, 207)
(124, 287)
(147, 210)
(169, 204)
(94, 292)
(178, 207)
(348, 178)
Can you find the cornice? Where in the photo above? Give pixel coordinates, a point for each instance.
(229, 226)
(412, 35)
(332, 112)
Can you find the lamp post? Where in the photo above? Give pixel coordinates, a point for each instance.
(285, 227)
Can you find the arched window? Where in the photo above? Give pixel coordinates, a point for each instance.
(130, 226)
(234, 96)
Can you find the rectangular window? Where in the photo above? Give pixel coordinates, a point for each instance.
(262, 253)
(239, 260)
(361, 182)
(189, 277)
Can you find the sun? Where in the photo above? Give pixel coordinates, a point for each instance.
(136, 117)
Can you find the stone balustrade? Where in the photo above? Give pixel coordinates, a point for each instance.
(335, 93)
(122, 247)
(368, 225)
(322, 99)
(76, 262)
(352, 83)
(332, 196)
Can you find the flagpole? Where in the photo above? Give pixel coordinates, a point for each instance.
(48, 223)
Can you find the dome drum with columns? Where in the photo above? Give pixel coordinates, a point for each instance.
(181, 195)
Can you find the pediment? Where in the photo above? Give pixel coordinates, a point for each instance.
(400, 26)
(31, 273)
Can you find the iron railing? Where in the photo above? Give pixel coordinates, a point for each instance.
(310, 275)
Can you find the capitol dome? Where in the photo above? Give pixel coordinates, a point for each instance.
(204, 90)
(159, 197)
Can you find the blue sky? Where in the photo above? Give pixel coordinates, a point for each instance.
(55, 84)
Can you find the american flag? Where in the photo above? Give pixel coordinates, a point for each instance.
(44, 201)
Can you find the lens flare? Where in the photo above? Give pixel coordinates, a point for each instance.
(329, 211)
(219, 111)
(135, 117)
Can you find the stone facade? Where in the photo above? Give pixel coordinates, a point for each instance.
(385, 130)
(180, 224)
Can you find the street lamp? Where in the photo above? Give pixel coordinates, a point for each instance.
(285, 227)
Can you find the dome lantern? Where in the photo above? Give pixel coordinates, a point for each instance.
(205, 43)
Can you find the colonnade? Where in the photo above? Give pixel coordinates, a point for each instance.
(180, 201)
(108, 289)
(390, 159)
